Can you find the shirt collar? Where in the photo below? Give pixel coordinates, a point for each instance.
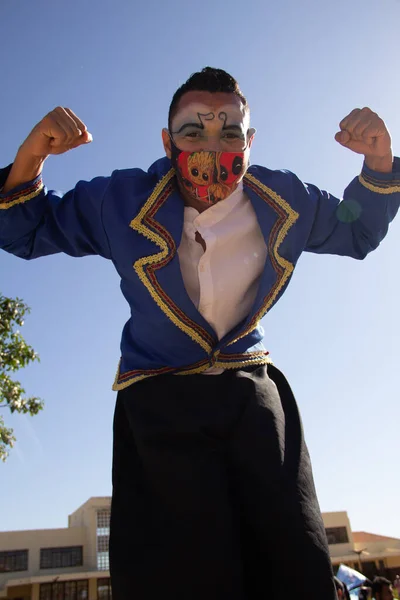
(216, 212)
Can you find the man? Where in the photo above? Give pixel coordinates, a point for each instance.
(212, 484)
(396, 586)
(382, 589)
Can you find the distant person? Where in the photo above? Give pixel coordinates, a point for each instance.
(382, 589)
(213, 494)
(365, 591)
(396, 586)
(341, 590)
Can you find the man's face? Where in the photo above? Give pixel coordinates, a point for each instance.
(209, 121)
(386, 593)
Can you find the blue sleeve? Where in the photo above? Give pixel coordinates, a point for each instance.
(36, 222)
(355, 225)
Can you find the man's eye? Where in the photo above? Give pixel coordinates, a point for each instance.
(193, 134)
(231, 136)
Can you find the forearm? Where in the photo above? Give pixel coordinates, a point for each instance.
(380, 164)
(25, 168)
(357, 224)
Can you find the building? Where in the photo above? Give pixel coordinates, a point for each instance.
(72, 563)
(59, 564)
(366, 552)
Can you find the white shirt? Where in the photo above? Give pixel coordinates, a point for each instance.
(222, 282)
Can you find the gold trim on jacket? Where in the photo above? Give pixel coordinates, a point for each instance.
(147, 225)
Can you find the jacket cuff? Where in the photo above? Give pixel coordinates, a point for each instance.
(381, 183)
(20, 194)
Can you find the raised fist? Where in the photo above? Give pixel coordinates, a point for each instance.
(364, 132)
(59, 131)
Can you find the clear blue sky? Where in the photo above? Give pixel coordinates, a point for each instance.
(303, 66)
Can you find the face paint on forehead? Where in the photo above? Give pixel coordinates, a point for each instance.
(209, 117)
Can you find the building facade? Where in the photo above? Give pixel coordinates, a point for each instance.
(72, 563)
(368, 553)
(59, 564)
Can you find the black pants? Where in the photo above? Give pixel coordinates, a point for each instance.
(213, 495)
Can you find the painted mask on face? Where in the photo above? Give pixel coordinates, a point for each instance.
(214, 144)
(206, 175)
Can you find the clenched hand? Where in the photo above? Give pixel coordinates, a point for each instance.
(59, 131)
(364, 132)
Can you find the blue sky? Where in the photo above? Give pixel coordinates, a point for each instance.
(303, 66)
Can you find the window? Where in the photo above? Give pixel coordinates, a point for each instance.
(103, 536)
(102, 543)
(60, 558)
(337, 535)
(13, 560)
(65, 590)
(103, 522)
(103, 562)
(104, 589)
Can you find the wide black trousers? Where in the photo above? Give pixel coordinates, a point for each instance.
(213, 495)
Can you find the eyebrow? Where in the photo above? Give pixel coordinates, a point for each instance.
(201, 126)
(236, 127)
(197, 125)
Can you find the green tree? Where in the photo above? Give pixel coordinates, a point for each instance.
(14, 354)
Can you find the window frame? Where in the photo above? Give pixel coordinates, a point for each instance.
(105, 582)
(59, 555)
(18, 555)
(340, 534)
(57, 589)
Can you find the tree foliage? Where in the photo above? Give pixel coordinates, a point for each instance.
(15, 354)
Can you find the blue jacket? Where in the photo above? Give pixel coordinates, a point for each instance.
(135, 219)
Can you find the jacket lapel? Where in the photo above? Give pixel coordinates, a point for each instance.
(275, 217)
(161, 221)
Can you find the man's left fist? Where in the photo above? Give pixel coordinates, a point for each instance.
(364, 132)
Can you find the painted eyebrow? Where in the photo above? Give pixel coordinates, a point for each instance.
(236, 127)
(197, 125)
(200, 126)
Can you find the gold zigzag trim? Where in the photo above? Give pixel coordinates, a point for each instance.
(195, 371)
(21, 199)
(261, 360)
(380, 182)
(249, 358)
(116, 377)
(287, 266)
(117, 387)
(377, 189)
(121, 386)
(139, 266)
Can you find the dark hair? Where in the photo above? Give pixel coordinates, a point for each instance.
(378, 583)
(207, 80)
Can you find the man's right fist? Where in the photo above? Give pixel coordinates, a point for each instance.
(59, 131)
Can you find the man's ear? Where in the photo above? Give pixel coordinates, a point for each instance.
(166, 142)
(250, 136)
